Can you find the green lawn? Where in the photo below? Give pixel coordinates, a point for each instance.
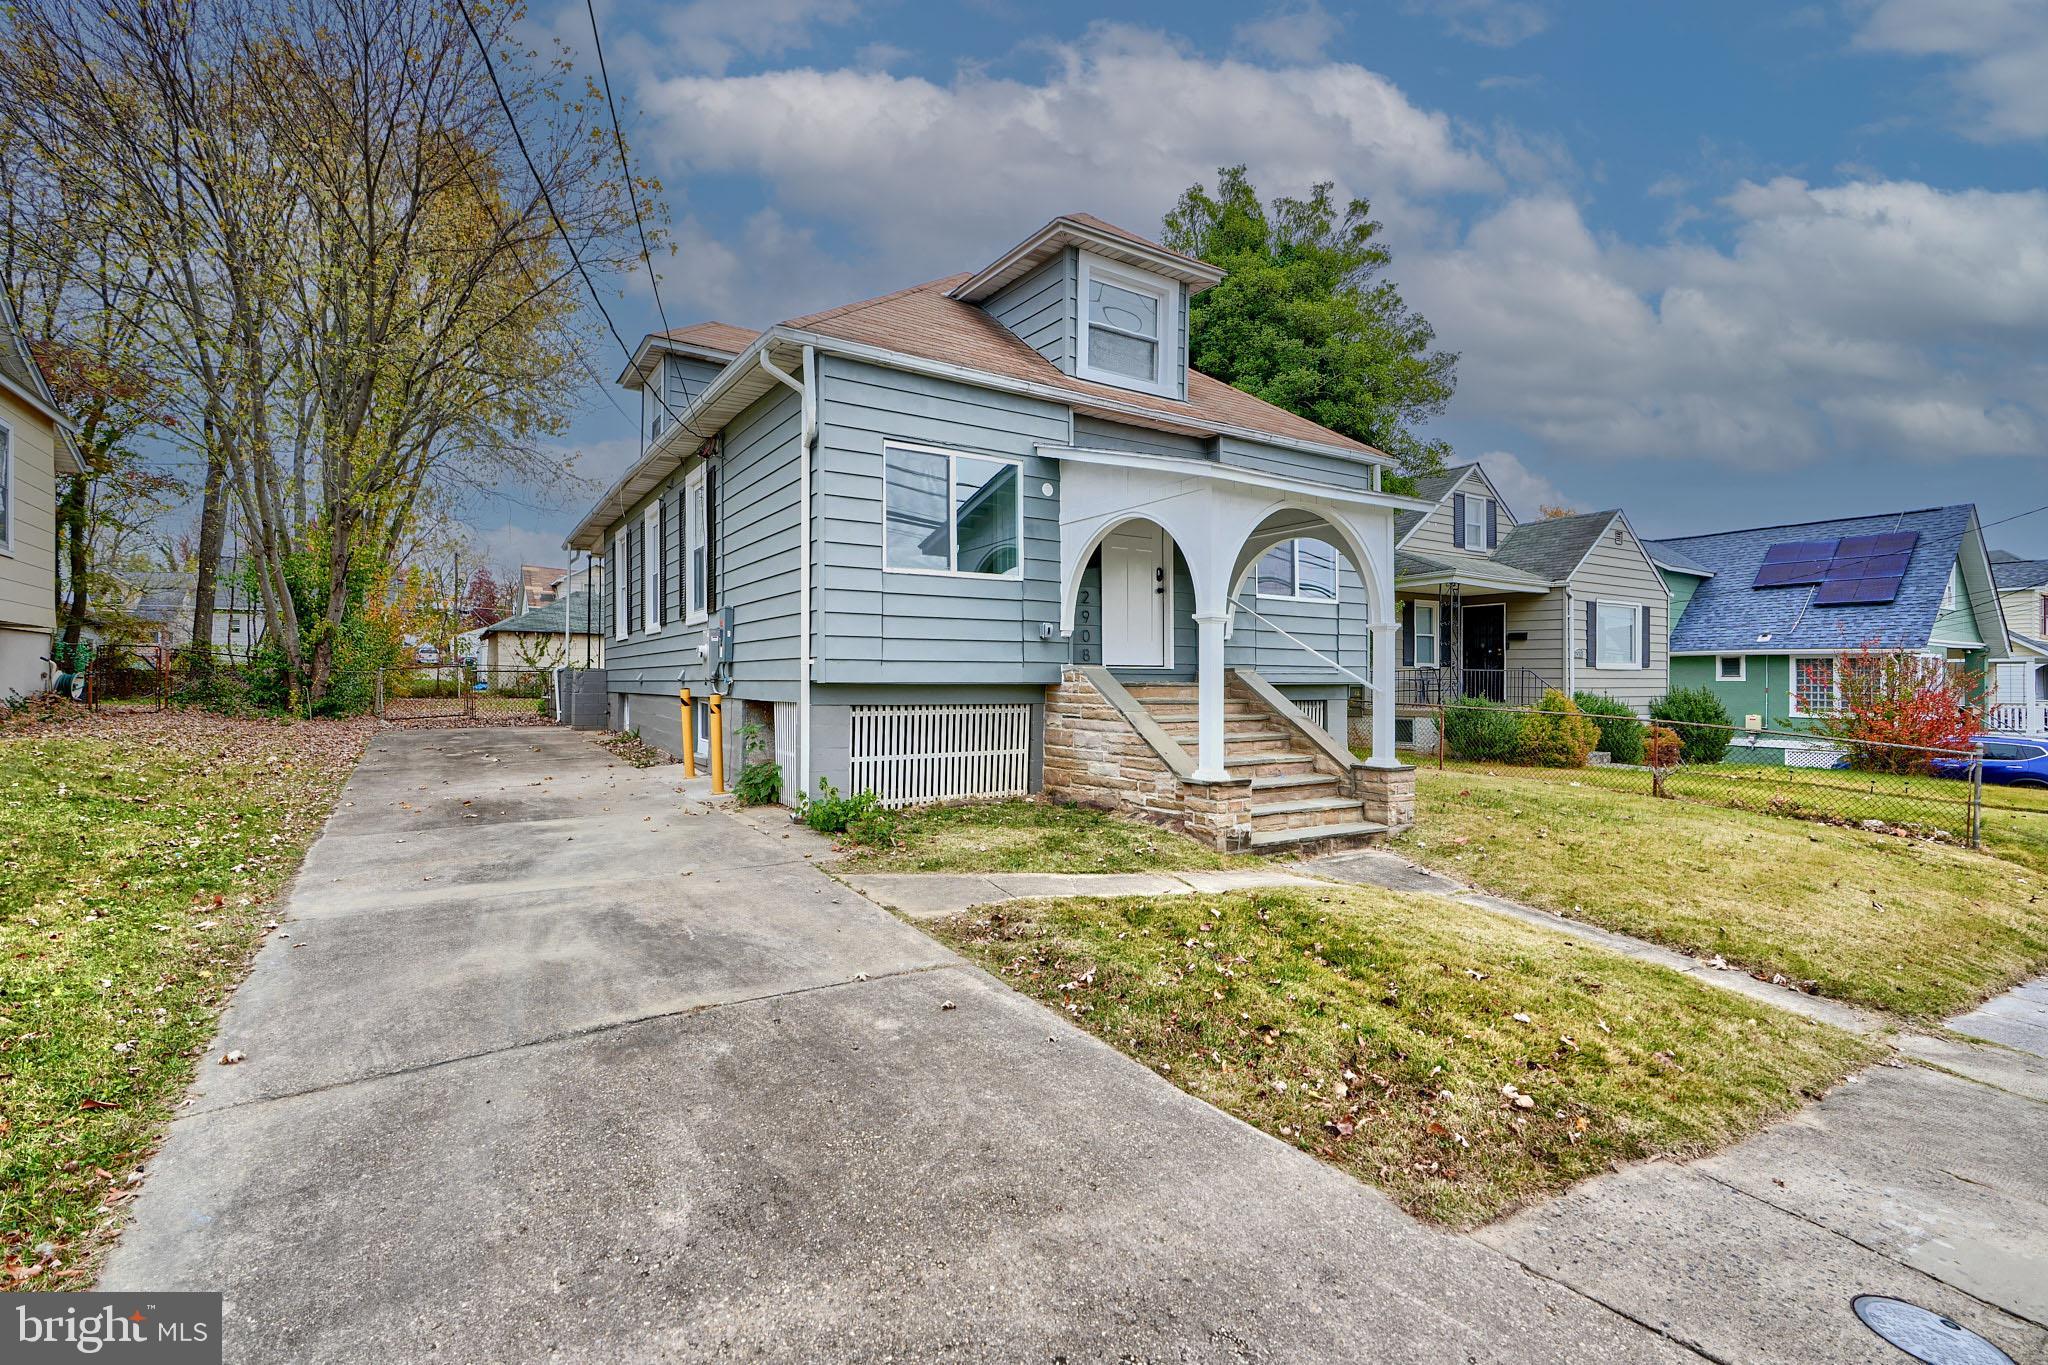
(1035, 836)
(1391, 1034)
(1918, 929)
(138, 854)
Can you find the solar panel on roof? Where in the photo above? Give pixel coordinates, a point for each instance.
(1847, 592)
(1787, 551)
(1783, 575)
(1896, 543)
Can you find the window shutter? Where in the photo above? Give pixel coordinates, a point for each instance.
(711, 537)
(661, 561)
(1492, 524)
(611, 589)
(1458, 520)
(1592, 634)
(1645, 610)
(1408, 634)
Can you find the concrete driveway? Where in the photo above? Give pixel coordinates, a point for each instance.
(549, 1063)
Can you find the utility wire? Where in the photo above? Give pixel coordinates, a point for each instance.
(548, 198)
(625, 164)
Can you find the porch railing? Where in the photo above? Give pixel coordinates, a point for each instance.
(2019, 718)
(1433, 686)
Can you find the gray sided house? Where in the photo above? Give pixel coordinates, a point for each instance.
(991, 535)
(1764, 615)
(1500, 608)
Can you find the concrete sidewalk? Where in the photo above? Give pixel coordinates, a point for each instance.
(569, 1067)
(935, 895)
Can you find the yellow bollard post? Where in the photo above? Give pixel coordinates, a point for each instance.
(717, 747)
(689, 735)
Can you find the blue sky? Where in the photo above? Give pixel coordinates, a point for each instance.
(1719, 265)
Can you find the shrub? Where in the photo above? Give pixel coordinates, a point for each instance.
(1700, 720)
(760, 781)
(1481, 730)
(1621, 734)
(830, 813)
(1661, 750)
(1893, 698)
(1555, 735)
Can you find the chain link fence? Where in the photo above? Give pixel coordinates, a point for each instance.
(466, 692)
(1930, 793)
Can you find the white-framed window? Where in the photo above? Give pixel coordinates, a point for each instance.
(1475, 522)
(651, 575)
(1813, 685)
(1425, 635)
(1617, 635)
(949, 512)
(1130, 327)
(1731, 667)
(696, 551)
(620, 567)
(1299, 570)
(6, 489)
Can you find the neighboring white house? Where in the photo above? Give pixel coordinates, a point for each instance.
(36, 447)
(565, 632)
(2020, 679)
(163, 600)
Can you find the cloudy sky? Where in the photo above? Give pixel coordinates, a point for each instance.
(1721, 265)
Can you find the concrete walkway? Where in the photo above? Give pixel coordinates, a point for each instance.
(934, 895)
(549, 1063)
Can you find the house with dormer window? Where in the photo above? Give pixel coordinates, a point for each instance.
(991, 535)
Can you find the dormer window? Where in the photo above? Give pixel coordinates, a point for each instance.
(1128, 327)
(1475, 522)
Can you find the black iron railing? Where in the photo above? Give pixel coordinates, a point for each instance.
(1434, 686)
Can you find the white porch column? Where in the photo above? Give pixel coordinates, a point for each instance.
(1386, 658)
(1209, 766)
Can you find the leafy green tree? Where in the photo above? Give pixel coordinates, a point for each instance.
(1304, 319)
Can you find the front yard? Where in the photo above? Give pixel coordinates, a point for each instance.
(1034, 836)
(1462, 1062)
(1917, 929)
(138, 857)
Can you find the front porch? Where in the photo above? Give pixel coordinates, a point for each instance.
(1162, 713)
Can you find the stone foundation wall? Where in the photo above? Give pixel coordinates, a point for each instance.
(1093, 757)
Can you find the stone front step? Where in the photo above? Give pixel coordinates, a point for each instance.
(1317, 838)
(1278, 763)
(1171, 716)
(1315, 812)
(1309, 786)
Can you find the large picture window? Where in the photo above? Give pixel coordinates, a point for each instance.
(1129, 327)
(1618, 635)
(950, 513)
(1305, 570)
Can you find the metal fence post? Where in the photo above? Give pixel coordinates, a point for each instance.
(1976, 796)
(380, 693)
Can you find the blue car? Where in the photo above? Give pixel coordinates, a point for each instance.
(2012, 760)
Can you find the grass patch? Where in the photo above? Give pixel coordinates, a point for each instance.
(1382, 1032)
(1036, 836)
(1917, 929)
(137, 857)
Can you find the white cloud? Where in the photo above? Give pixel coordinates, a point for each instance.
(711, 35)
(1298, 33)
(1524, 490)
(1869, 319)
(505, 546)
(1998, 50)
(1493, 23)
(1120, 124)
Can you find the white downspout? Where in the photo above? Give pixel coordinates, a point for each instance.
(1571, 614)
(807, 438)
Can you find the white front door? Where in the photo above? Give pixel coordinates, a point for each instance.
(1137, 598)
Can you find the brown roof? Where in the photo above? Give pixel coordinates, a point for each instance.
(1090, 220)
(714, 336)
(921, 321)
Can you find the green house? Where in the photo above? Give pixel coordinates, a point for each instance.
(1763, 615)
